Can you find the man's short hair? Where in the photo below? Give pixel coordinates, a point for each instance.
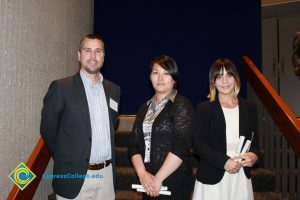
(92, 37)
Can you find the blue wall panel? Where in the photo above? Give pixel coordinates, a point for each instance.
(192, 32)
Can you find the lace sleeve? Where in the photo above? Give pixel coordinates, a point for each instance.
(136, 137)
(183, 128)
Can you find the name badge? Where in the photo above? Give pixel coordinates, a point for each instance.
(113, 104)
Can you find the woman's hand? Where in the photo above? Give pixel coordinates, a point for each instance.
(157, 186)
(171, 163)
(232, 166)
(248, 159)
(146, 179)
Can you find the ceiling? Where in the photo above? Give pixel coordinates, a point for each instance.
(271, 2)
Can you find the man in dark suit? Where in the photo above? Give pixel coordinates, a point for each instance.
(78, 120)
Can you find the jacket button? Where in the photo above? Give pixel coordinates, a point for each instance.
(90, 138)
(87, 160)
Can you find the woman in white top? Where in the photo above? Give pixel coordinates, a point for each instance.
(223, 121)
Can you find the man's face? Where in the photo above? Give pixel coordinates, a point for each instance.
(91, 56)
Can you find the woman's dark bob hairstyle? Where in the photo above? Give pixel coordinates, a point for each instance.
(168, 64)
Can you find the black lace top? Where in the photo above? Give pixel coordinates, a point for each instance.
(171, 132)
(152, 112)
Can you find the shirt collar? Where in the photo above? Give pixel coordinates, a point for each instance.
(87, 80)
(171, 96)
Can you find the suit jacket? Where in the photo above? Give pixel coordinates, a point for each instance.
(171, 132)
(66, 129)
(210, 139)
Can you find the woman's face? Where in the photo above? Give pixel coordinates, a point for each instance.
(225, 83)
(162, 81)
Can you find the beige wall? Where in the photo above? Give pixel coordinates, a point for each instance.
(38, 43)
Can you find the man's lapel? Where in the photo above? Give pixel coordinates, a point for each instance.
(82, 99)
(107, 92)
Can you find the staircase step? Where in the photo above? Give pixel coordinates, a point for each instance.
(123, 160)
(132, 195)
(268, 196)
(128, 195)
(122, 138)
(125, 177)
(262, 179)
(125, 122)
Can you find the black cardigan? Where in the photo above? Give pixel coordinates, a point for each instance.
(171, 132)
(209, 141)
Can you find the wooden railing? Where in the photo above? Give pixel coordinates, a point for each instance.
(284, 118)
(280, 112)
(37, 163)
(279, 133)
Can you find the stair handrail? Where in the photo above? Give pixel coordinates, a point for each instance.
(282, 115)
(37, 163)
(278, 109)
